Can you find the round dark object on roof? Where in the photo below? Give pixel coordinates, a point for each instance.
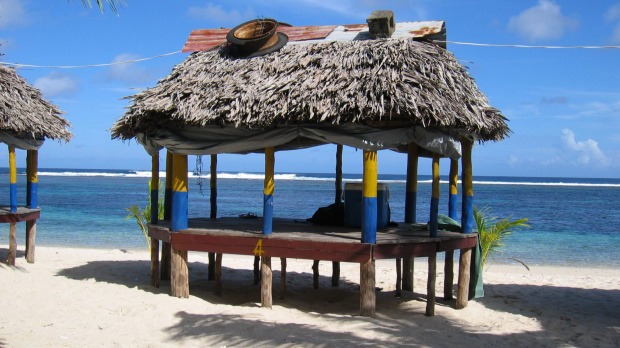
(252, 35)
(276, 42)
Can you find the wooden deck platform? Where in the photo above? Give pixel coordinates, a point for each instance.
(302, 240)
(28, 215)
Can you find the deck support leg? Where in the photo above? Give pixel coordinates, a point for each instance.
(462, 295)
(211, 274)
(315, 274)
(282, 277)
(256, 270)
(165, 261)
(335, 274)
(31, 235)
(408, 273)
(432, 276)
(398, 277)
(367, 288)
(448, 271)
(12, 244)
(266, 299)
(217, 274)
(179, 284)
(155, 277)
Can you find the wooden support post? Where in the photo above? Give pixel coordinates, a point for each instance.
(155, 188)
(430, 288)
(448, 270)
(398, 277)
(367, 288)
(266, 282)
(31, 236)
(410, 209)
(213, 187)
(179, 215)
(282, 277)
(155, 276)
(315, 274)
(462, 295)
(211, 275)
(454, 182)
(467, 214)
(408, 267)
(335, 274)
(166, 264)
(433, 221)
(168, 191)
(369, 198)
(12, 181)
(32, 164)
(218, 274)
(256, 270)
(12, 244)
(268, 190)
(179, 283)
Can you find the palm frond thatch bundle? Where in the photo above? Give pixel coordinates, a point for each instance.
(24, 112)
(408, 82)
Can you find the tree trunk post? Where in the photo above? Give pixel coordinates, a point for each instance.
(179, 284)
(432, 276)
(315, 274)
(367, 288)
(266, 299)
(462, 295)
(155, 276)
(282, 277)
(218, 274)
(448, 271)
(31, 236)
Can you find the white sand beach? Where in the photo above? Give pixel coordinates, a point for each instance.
(83, 297)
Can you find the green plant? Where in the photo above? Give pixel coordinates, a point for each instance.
(492, 231)
(143, 216)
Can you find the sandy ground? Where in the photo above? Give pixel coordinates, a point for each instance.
(82, 297)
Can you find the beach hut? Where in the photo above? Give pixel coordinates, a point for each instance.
(26, 120)
(375, 86)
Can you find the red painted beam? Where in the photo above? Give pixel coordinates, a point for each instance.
(7, 217)
(392, 251)
(461, 243)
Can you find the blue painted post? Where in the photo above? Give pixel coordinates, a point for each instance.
(154, 188)
(268, 190)
(467, 214)
(454, 179)
(32, 182)
(179, 193)
(12, 180)
(369, 198)
(434, 223)
(412, 183)
(168, 192)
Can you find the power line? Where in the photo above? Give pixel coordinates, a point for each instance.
(18, 65)
(526, 46)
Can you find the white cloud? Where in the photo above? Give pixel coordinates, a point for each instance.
(613, 13)
(12, 13)
(544, 21)
(586, 151)
(215, 15)
(56, 84)
(127, 72)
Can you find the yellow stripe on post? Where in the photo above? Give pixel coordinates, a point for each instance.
(268, 190)
(32, 164)
(179, 173)
(454, 179)
(369, 188)
(12, 180)
(179, 193)
(467, 214)
(369, 198)
(434, 218)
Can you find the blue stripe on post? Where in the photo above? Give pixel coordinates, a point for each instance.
(410, 206)
(13, 197)
(434, 223)
(179, 211)
(369, 220)
(32, 189)
(452, 206)
(267, 214)
(467, 217)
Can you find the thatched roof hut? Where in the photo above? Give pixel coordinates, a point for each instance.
(336, 87)
(25, 114)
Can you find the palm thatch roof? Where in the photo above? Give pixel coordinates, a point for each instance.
(386, 83)
(24, 112)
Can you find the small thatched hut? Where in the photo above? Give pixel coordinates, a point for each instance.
(333, 85)
(26, 120)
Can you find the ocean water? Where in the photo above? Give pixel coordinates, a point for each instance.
(574, 222)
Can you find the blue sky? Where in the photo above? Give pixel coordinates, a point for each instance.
(563, 104)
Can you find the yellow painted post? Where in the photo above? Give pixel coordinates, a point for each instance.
(467, 213)
(435, 198)
(32, 179)
(454, 180)
(369, 198)
(268, 190)
(12, 180)
(168, 192)
(179, 193)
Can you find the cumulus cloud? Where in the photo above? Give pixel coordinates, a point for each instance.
(216, 15)
(544, 21)
(12, 13)
(586, 151)
(127, 72)
(56, 84)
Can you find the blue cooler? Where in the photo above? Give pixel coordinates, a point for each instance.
(353, 205)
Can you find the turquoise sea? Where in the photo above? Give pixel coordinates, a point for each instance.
(574, 221)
